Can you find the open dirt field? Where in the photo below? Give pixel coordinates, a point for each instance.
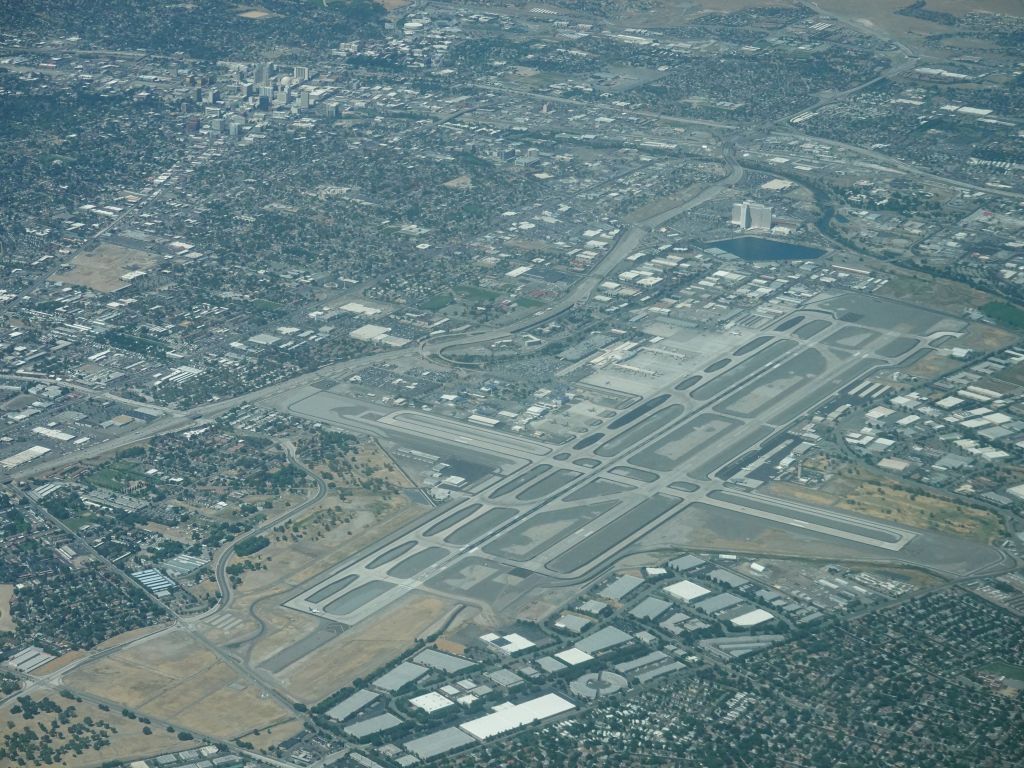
(257, 13)
(59, 663)
(6, 622)
(362, 649)
(983, 337)
(132, 635)
(128, 743)
(171, 677)
(932, 366)
(943, 295)
(459, 182)
(101, 269)
(880, 498)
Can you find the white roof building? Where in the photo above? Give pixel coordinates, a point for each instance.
(369, 332)
(686, 590)
(752, 618)
(1017, 491)
(573, 656)
(431, 702)
(507, 717)
(508, 644)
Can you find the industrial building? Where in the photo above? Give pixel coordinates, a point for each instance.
(507, 717)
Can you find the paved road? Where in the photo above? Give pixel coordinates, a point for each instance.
(220, 567)
(99, 394)
(625, 244)
(233, 663)
(198, 416)
(888, 161)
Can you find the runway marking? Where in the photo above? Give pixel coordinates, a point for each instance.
(224, 622)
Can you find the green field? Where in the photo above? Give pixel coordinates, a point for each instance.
(1005, 314)
(476, 293)
(265, 305)
(437, 301)
(1006, 670)
(528, 302)
(113, 476)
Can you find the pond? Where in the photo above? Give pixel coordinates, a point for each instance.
(763, 249)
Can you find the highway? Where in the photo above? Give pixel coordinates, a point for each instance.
(175, 420)
(192, 418)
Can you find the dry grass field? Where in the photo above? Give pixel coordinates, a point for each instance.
(876, 496)
(932, 365)
(766, 541)
(128, 743)
(256, 13)
(6, 622)
(101, 269)
(877, 11)
(325, 535)
(363, 648)
(172, 677)
(979, 337)
(738, 5)
(943, 295)
(130, 636)
(983, 337)
(309, 547)
(877, 16)
(59, 663)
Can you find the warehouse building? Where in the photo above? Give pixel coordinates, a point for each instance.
(508, 717)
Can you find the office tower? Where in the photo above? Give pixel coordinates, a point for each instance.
(749, 215)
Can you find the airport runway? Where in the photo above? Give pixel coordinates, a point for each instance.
(549, 521)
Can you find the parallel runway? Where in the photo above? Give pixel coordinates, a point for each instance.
(549, 521)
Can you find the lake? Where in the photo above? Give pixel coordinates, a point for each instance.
(762, 249)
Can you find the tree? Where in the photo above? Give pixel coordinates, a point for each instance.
(251, 545)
